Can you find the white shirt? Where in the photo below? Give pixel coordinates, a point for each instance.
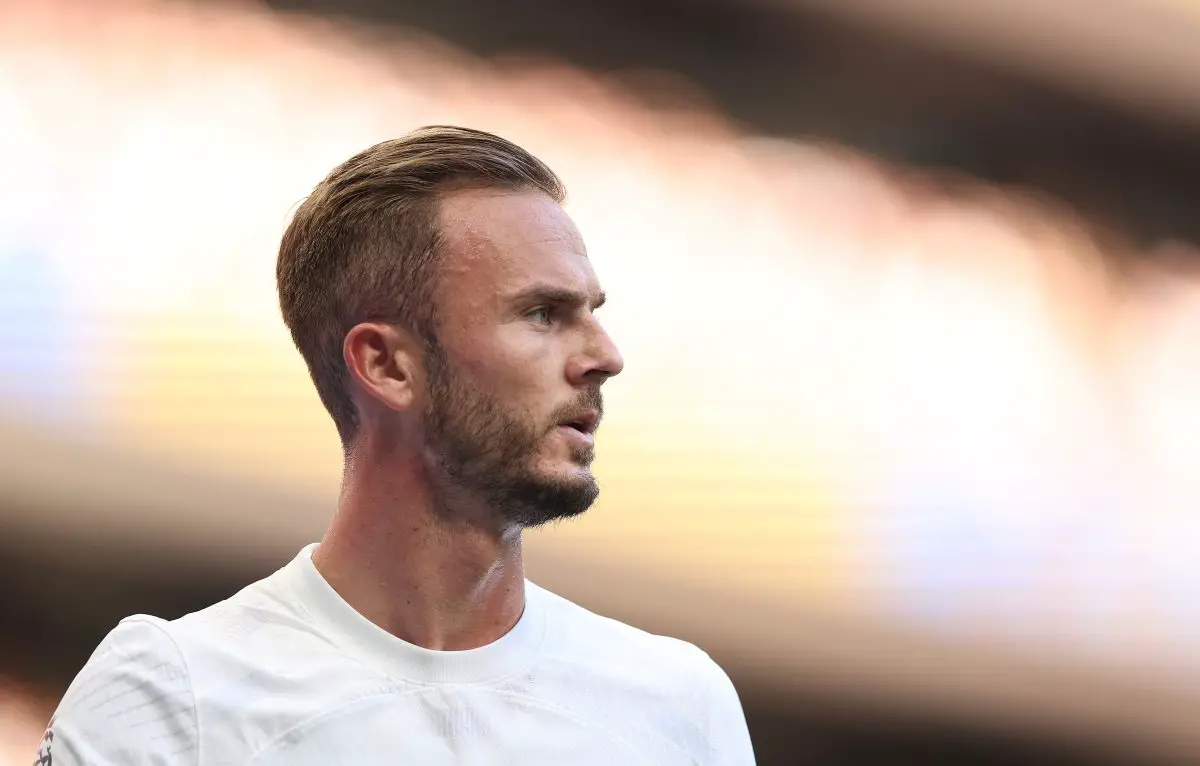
(286, 672)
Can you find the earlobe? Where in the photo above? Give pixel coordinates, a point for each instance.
(380, 363)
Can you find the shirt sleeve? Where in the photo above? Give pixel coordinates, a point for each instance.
(729, 737)
(132, 704)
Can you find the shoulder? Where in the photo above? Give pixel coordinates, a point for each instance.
(673, 686)
(139, 648)
(131, 703)
(265, 622)
(147, 688)
(608, 645)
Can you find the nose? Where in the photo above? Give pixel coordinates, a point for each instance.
(599, 361)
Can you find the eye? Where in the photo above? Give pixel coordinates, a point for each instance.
(541, 314)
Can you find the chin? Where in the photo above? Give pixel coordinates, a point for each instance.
(571, 459)
(547, 497)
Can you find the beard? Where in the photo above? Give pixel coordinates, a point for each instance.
(487, 448)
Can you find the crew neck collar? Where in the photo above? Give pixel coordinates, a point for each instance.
(505, 656)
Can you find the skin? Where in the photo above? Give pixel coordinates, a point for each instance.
(460, 448)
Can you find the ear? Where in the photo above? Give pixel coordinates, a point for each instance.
(384, 361)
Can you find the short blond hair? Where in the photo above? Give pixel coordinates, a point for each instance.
(365, 244)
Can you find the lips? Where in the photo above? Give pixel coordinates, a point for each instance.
(584, 422)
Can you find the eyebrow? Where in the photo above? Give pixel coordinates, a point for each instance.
(558, 295)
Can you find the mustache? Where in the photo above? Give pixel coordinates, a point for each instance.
(590, 399)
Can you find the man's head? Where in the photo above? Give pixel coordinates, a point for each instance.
(439, 292)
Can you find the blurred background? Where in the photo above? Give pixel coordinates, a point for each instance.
(909, 295)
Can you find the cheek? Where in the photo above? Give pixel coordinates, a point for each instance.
(519, 367)
(519, 362)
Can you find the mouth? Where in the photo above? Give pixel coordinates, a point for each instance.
(584, 423)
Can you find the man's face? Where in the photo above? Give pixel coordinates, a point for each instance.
(515, 374)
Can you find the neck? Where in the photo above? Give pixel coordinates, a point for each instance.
(439, 580)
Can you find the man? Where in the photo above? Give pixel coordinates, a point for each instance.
(444, 304)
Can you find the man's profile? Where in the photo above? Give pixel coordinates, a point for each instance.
(444, 304)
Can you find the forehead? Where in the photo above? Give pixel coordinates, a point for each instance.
(500, 242)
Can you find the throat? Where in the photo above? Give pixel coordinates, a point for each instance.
(438, 585)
